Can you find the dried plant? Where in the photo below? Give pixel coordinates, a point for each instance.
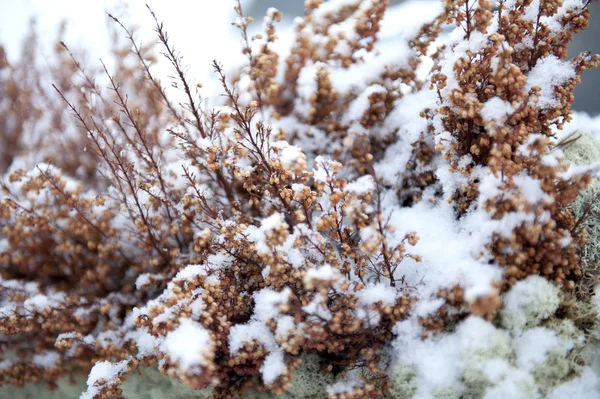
(225, 244)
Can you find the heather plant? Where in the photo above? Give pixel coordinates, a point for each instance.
(391, 216)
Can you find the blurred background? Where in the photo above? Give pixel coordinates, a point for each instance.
(200, 29)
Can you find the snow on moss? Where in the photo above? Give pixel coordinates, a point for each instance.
(529, 302)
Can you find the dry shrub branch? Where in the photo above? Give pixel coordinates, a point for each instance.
(267, 229)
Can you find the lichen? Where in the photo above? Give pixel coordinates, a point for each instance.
(404, 379)
(529, 302)
(582, 148)
(585, 314)
(447, 393)
(553, 371)
(66, 388)
(476, 381)
(150, 383)
(309, 381)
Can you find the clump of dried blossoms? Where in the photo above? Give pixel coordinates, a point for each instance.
(341, 202)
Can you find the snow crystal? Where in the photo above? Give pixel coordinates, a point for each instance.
(284, 325)
(323, 273)
(257, 235)
(362, 185)
(288, 154)
(102, 371)
(547, 74)
(188, 344)
(533, 347)
(37, 303)
(67, 335)
(46, 359)
(582, 387)
(197, 305)
(320, 173)
(273, 366)
(318, 307)
(377, 293)
(266, 302)
(297, 187)
(191, 271)
(145, 343)
(531, 188)
(271, 222)
(253, 330)
(361, 104)
(340, 387)
(142, 280)
(369, 296)
(496, 110)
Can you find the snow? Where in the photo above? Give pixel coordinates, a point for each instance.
(289, 155)
(245, 333)
(533, 347)
(450, 252)
(189, 345)
(142, 280)
(361, 104)
(582, 387)
(146, 344)
(548, 73)
(191, 271)
(46, 359)
(37, 303)
(267, 301)
(325, 273)
(102, 373)
(272, 367)
(378, 293)
(362, 185)
(318, 308)
(496, 110)
(321, 171)
(258, 235)
(340, 388)
(530, 188)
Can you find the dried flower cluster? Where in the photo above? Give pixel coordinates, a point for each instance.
(340, 200)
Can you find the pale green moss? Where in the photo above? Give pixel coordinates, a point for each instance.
(256, 394)
(66, 389)
(149, 383)
(565, 328)
(309, 381)
(529, 302)
(476, 382)
(404, 379)
(447, 393)
(582, 151)
(554, 370)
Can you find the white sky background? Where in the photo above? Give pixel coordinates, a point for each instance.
(200, 29)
